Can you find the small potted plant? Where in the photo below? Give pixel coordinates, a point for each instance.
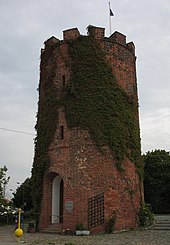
(81, 230)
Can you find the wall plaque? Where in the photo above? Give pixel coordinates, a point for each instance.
(69, 206)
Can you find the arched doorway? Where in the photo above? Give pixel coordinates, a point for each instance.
(57, 200)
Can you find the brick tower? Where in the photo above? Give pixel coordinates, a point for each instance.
(87, 152)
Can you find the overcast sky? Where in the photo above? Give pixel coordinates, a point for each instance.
(26, 24)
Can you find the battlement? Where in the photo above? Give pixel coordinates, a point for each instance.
(118, 38)
(71, 34)
(52, 40)
(131, 46)
(98, 33)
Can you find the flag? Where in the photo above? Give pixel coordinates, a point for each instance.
(111, 13)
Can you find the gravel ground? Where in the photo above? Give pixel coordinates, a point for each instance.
(138, 237)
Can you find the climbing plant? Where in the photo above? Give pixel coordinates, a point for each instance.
(97, 103)
(46, 126)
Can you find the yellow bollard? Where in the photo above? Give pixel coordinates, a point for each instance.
(19, 231)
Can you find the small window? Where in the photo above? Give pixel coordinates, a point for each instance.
(64, 80)
(61, 132)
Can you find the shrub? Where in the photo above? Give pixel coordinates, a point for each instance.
(80, 227)
(110, 224)
(146, 217)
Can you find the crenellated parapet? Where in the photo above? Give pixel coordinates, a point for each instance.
(120, 38)
(71, 34)
(52, 40)
(119, 53)
(98, 33)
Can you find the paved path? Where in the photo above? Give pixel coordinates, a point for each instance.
(139, 237)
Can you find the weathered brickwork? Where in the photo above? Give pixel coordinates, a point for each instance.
(73, 154)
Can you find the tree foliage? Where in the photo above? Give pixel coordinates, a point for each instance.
(146, 217)
(3, 181)
(157, 180)
(23, 196)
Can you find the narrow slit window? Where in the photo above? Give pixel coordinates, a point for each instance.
(61, 132)
(64, 80)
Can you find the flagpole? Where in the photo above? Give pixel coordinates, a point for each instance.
(110, 28)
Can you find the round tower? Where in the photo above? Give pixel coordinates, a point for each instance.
(87, 160)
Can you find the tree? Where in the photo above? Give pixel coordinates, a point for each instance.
(3, 181)
(5, 207)
(23, 196)
(157, 180)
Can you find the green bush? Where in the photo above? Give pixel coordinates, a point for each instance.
(157, 180)
(80, 227)
(146, 217)
(110, 224)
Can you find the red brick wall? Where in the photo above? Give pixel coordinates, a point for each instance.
(71, 34)
(84, 170)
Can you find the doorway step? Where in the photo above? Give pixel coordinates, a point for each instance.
(53, 229)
